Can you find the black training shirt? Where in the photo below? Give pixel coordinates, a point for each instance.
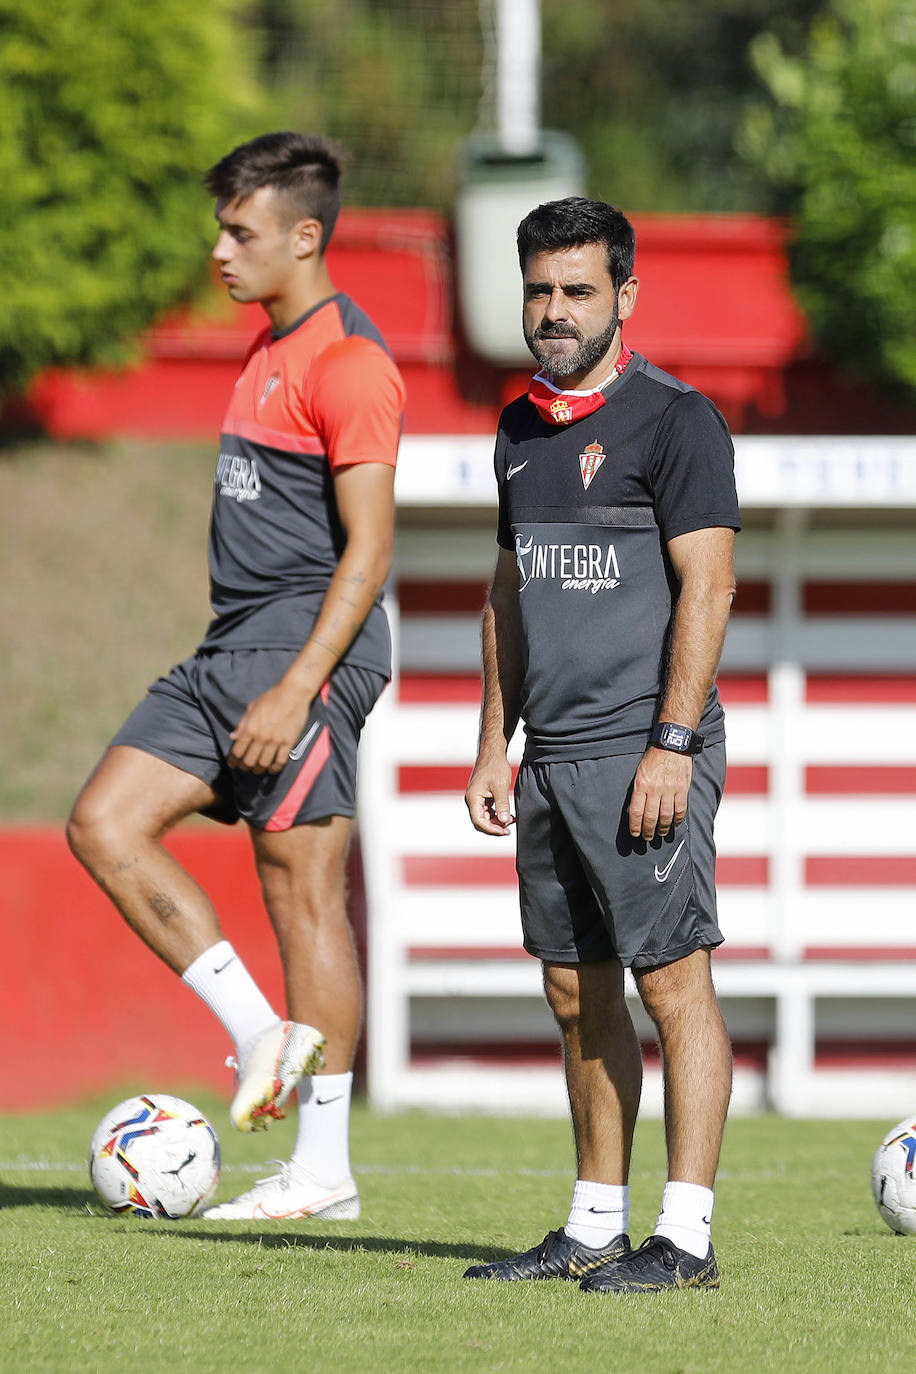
(588, 509)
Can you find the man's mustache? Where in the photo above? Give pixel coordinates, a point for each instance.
(556, 331)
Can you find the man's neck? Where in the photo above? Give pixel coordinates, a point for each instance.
(302, 297)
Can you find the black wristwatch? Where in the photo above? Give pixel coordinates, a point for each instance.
(676, 738)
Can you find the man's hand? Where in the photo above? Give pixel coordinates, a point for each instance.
(487, 796)
(272, 725)
(659, 793)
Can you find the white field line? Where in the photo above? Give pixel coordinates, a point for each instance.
(22, 1165)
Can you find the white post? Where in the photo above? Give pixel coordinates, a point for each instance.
(787, 706)
(518, 75)
(792, 1054)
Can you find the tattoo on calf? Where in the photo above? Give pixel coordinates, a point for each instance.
(164, 907)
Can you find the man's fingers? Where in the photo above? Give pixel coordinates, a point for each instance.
(252, 756)
(636, 812)
(650, 819)
(665, 816)
(489, 809)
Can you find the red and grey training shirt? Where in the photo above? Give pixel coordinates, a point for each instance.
(311, 399)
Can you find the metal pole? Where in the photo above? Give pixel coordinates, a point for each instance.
(518, 93)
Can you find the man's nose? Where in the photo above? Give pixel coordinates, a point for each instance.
(222, 249)
(556, 306)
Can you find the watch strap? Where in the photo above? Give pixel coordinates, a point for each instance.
(677, 739)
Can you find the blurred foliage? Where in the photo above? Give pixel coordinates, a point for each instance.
(109, 113)
(654, 92)
(839, 140)
(396, 82)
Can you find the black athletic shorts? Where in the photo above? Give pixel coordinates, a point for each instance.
(186, 718)
(588, 890)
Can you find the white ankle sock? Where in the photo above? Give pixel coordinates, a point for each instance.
(322, 1136)
(686, 1216)
(220, 979)
(599, 1212)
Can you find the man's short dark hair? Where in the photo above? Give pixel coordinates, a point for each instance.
(575, 221)
(303, 170)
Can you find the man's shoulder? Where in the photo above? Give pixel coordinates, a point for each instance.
(356, 324)
(656, 379)
(662, 390)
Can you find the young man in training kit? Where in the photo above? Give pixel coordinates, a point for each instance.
(602, 632)
(263, 721)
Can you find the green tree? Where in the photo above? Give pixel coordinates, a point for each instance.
(109, 114)
(838, 139)
(655, 92)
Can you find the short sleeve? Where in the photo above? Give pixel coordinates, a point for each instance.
(692, 468)
(355, 396)
(504, 536)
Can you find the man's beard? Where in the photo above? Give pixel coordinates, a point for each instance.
(582, 359)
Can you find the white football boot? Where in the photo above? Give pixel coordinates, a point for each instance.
(290, 1195)
(270, 1071)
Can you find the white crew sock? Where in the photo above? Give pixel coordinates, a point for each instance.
(322, 1136)
(220, 979)
(599, 1212)
(686, 1216)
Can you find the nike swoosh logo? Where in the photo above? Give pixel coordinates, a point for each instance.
(226, 964)
(662, 875)
(323, 1101)
(602, 1211)
(296, 754)
(510, 472)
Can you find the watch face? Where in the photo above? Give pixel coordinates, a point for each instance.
(677, 736)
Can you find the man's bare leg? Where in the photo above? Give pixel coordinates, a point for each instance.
(302, 874)
(697, 1063)
(302, 878)
(116, 828)
(603, 1064)
(604, 1079)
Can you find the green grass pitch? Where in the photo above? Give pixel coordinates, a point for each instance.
(811, 1277)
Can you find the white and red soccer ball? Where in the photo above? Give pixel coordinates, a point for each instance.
(154, 1156)
(893, 1177)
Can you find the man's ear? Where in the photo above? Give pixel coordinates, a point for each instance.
(307, 238)
(626, 297)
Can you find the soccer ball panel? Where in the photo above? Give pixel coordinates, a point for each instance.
(154, 1156)
(893, 1177)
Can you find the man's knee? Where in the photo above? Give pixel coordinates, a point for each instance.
(584, 994)
(94, 827)
(561, 987)
(672, 989)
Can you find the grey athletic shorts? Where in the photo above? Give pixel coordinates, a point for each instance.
(588, 890)
(186, 717)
